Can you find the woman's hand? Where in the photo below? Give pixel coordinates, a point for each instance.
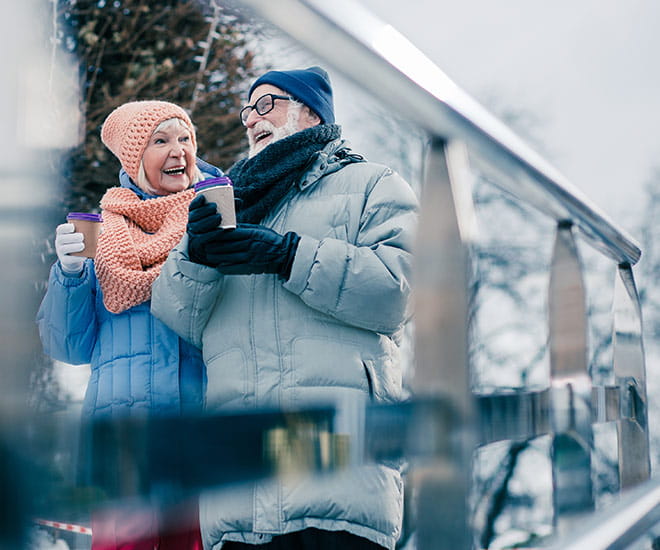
(68, 241)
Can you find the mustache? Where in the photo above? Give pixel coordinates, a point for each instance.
(262, 125)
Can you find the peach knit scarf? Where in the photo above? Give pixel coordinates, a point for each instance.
(136, 238)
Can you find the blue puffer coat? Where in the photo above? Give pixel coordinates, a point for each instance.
(137, 363)
(328, 335)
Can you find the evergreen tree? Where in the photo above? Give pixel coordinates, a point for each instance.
(191, 53)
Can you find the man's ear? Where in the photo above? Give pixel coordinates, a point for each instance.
(310, 118)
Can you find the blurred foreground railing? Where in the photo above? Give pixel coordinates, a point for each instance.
(35, 122)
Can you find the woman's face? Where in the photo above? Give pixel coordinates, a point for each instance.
(169, 159)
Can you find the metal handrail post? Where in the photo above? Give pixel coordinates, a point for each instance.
(570, 382)
(630, 374)
(441, 334)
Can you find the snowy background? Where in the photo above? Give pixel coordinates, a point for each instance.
(586, 72)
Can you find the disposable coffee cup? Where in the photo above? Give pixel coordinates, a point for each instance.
(221, 192)
(90, 226)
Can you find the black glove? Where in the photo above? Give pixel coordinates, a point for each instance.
(202, 228)
(252, 249)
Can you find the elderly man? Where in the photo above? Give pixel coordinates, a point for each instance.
(302, 304)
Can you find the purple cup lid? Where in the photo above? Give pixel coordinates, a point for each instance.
(87, 216)
(212, 182)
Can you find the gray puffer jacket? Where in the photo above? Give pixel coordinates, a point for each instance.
(327, 334)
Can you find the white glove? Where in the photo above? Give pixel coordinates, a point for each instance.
(66, 242)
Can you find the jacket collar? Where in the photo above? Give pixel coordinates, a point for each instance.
(331, 158)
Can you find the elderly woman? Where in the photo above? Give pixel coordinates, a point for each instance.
(97, 311)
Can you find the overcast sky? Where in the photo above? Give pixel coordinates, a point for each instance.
(588, 70)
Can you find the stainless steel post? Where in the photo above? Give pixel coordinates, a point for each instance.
(441, 364)
(630, 373)
(570, 382)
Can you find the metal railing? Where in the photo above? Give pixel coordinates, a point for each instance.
(387, 66)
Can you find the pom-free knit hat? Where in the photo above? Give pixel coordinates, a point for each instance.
(127, 129)
(311, 86)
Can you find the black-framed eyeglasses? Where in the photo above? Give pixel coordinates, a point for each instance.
(265, 104)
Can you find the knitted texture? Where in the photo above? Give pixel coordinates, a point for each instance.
(260, 182)
(127, 129)
(136, 237)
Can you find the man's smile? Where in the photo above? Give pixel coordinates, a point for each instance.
(263, 134)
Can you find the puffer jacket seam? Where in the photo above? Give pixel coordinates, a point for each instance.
(347, 263)
(126, 356)
(152, 373)
(280, 355)
(253, 346)
(131, 393)
(195, 304)
(111, 372)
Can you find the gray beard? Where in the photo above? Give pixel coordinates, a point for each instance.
(288, 129)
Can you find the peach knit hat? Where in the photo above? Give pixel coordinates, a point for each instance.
(127, 129)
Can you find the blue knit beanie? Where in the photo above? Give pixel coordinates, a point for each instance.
(310, 86)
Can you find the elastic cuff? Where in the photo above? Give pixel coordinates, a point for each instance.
(291, 241)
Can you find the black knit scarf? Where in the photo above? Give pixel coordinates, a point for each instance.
(260, 182)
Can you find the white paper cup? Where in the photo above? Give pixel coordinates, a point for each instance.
(90, 226)
(221, 192)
